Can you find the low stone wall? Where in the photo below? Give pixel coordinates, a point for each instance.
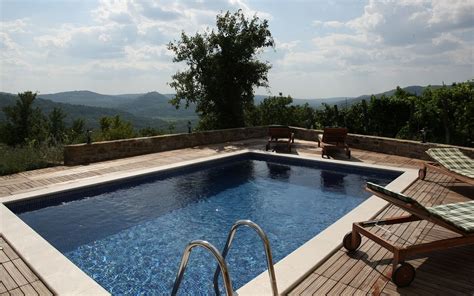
(99, 151)
(407, 148)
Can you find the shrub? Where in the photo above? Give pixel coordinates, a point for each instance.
(29, 157)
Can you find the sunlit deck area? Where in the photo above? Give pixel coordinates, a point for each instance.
(367, 271)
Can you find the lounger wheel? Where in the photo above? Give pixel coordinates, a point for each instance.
(347, 242)
(422, 173)
(403, 275)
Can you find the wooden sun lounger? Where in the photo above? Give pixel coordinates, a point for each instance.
(279, 134)
(333, 138)
(452, 162)
(457, 217)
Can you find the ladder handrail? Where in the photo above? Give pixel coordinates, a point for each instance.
(266, 245)
(220, 260)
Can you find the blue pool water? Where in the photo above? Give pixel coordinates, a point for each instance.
(130, 237)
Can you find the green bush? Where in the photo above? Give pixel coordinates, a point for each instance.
(29, 157)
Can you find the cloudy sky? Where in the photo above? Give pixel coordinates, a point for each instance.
(324, 48)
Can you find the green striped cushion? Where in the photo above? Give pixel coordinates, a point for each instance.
(390, 193)
(460, 215)
(454, 160)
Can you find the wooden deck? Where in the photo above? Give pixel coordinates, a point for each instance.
(365, 272)
(16, 277)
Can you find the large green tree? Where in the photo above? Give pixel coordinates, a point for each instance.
(222, 69)
(24, 122)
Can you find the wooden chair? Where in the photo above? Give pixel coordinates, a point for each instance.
(279, 134)
(452, 162)
(456, 217)
(333, 138)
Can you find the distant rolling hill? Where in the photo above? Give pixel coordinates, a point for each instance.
(91, 115)
(88, 98)
(156, 105)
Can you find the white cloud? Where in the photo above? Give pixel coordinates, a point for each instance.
(286, 46)
(334, 24)
(15, 26)
(123, 43)
(398, 41)
(393, 33)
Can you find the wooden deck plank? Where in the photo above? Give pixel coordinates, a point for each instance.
(3, 256)
(15, 273)
(25, 270)
(11, 254)
(16, 292)
(324, 288)
(315, 283)
(3, 289)
(16, 277)
(28, 290)
(6, 279)
(41, 289)
(307, 282)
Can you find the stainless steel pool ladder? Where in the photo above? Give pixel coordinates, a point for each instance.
(220, 260)
(266, 246)
(222, 265)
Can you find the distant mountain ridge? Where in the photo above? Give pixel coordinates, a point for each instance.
(155, 105)
(152, 109)
(87, 98)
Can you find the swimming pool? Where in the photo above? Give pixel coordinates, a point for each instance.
(130, 236)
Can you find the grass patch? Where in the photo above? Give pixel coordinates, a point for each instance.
(19, 159)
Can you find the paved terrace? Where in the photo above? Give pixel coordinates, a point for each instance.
(365, 272)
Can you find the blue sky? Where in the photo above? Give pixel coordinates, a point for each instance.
(324, 48)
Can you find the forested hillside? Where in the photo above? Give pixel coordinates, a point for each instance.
(156, 105)
(90, 115)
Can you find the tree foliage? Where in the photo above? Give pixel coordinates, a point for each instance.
(279, 110)
(446, 113)
(114, 128)
(57, 128)
(24, 122)
(222, 69)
